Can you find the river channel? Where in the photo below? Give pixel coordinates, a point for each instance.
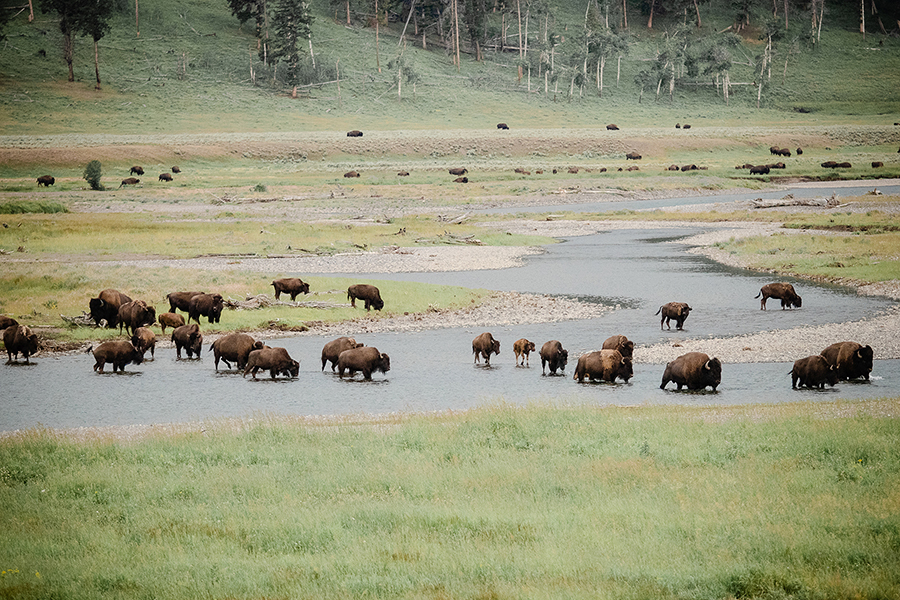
(634, 271)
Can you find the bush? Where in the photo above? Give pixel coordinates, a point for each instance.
(92, 174)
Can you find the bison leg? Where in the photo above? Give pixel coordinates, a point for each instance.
(762, 303)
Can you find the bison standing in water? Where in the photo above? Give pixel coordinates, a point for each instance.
(276, 361)
(813, 371)
(234, 348)
(850, 359)
(522, 348)
(19, 338)
(332, 350)
(366, 359)
(620, 343)
(290, 285)
(674, 310)
(603, 365)
(485, 345)
(780, 291)
(695, 370)
(117, 352)
(189, 338)
(554, 356)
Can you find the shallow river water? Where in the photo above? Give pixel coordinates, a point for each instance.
(636, 271)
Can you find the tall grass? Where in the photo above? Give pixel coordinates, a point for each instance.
(499, 502)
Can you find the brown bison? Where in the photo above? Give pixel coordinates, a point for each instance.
(686, 126)
(674, 310)
(290, 285)
(175, 169)
(695, 370)
(877, 164)
(143, 340)
(45, 180)
(484, 345)
(180, 300)
(332, 350)
(799, 150)
(165, 177)
(117, 352)
(780, 291)
(234, 348)
(778, 165)
(813, 371)
(105, 307)
(673, 167)
(402, 173)
(633, 168)
(276, 361)
(19, 338)
(523, 348)
(136, 170)
(573, 170)
(759, 170)
(843, 165)
(7, 322)
(355, 133)
(620, 343)
(130, 181)
(502, 126)
(554, 356)
(189, 338)
(774, 150)
(632, 156)
(351, 174)
(829, 164)
(783, 152)
(135, 314)
(366, 359)
(459, 171)
(169, 319)
(688, 168)
(612, 127)
(205, 305)
(677, 125)
(850, 359)
(368, 293)
(461, 180)
(603, 365)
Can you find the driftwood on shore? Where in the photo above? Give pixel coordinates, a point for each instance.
(82, 320)
(448, 238)
(789, 200)
(265, 301)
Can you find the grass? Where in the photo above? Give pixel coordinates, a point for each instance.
(498, 502)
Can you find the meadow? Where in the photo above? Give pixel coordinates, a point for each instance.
(787, 501)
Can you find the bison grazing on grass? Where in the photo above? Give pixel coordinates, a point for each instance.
(180, 300)
(461, 180)
(290, 285)
(612, 127)
(784, 152)
(403, 174)
(502, 126)
(135, 314)
(633, 156)
(354, 133)
(350, 174)
(877, 164)
(136, 170)
(368, 293)
(458, 171)
(813, 371)
(485, 345)
(686, 126)
(695, 370)
(781, 291)
(45, 180)
(799, 150)
(129, 181)
(829, 164)
(843, 165)
(175, 169)
(7, 322)
(169, 319)
(207, 305)
(165, 177)
(759, 170)
(106, 307)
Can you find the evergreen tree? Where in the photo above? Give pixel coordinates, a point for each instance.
(292, 21)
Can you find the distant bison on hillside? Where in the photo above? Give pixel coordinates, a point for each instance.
(137, 170)
(502, 126)
(355, 133)
(612, 127)
(165, 177)
(350, 174)
(130, 181)
(633, 156)
(45, 180)
(458, 171)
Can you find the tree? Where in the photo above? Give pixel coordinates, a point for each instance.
(403, 71)
(244, 10)
(70, 15)
(475, 24)
(94, 22)
(292, 22)
(92, 174)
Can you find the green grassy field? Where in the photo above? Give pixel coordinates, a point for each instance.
(499, 502)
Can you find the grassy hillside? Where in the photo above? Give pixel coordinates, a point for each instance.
(190, 71)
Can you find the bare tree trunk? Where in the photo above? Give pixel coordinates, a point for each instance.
(136, 25)
(347, 4)
(785, 14)
(525, 49)
(377, 57)
(311, 55)
(862, 17)
(821, 18)
(650, 20)
(602, 65)
(725, 87)
(403, 33)
(456, 31)
(519, 13)
(31, 11)
(625, 13)
(69, 53)
(97, 64)
(697, 8)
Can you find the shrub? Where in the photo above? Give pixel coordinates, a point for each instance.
(92, 174)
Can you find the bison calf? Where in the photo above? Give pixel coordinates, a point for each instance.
(169, 319)
(813, 371)
(522, 348)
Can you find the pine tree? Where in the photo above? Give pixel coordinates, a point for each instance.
(292, 25)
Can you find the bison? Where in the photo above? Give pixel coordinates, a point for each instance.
(484, 345)
(784, 152)
(189, 338)
(165, 177)
(7, 322)
(135, 314)
(633, 168)
(677, 125)
(877, 164)
(206, 305)
(402, 173)
(612, 127)
(105, 307)
(332, 350)
(620, 343)
(686, 126)
(170, 319)
(176, 169)
(759, 170)
(290, 285)
(674, 310)
(351, 174)
(829, 164)
(603, 365)
(234, 348)
(180, 300)
(799, 150)
(673, 167)
(632, 156)
(523, 348)
(368, 293)
(843, 165)
(554, 356)
(130, 181)
(502, 126)
(276, 361)
(143, 340)
(45, 180)
(117, 352)
(688, 168)
(695, 370)
(366, 359)
(461, 180)
(136, 170)
(355, 133)
(19, 338)
(781, 291)
(813, 371)
(850, 359)
(458, 171)
(774, 150)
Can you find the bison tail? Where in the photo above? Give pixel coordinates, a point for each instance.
(88, 351)
(660, 310)
(759, 294)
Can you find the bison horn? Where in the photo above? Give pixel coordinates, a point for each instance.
(706, 366)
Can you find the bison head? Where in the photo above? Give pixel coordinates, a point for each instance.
(495, 346)
(797, 301)
(712, 373)
(384, 363)
(98, 310)
(626, 369)
(291, 370)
